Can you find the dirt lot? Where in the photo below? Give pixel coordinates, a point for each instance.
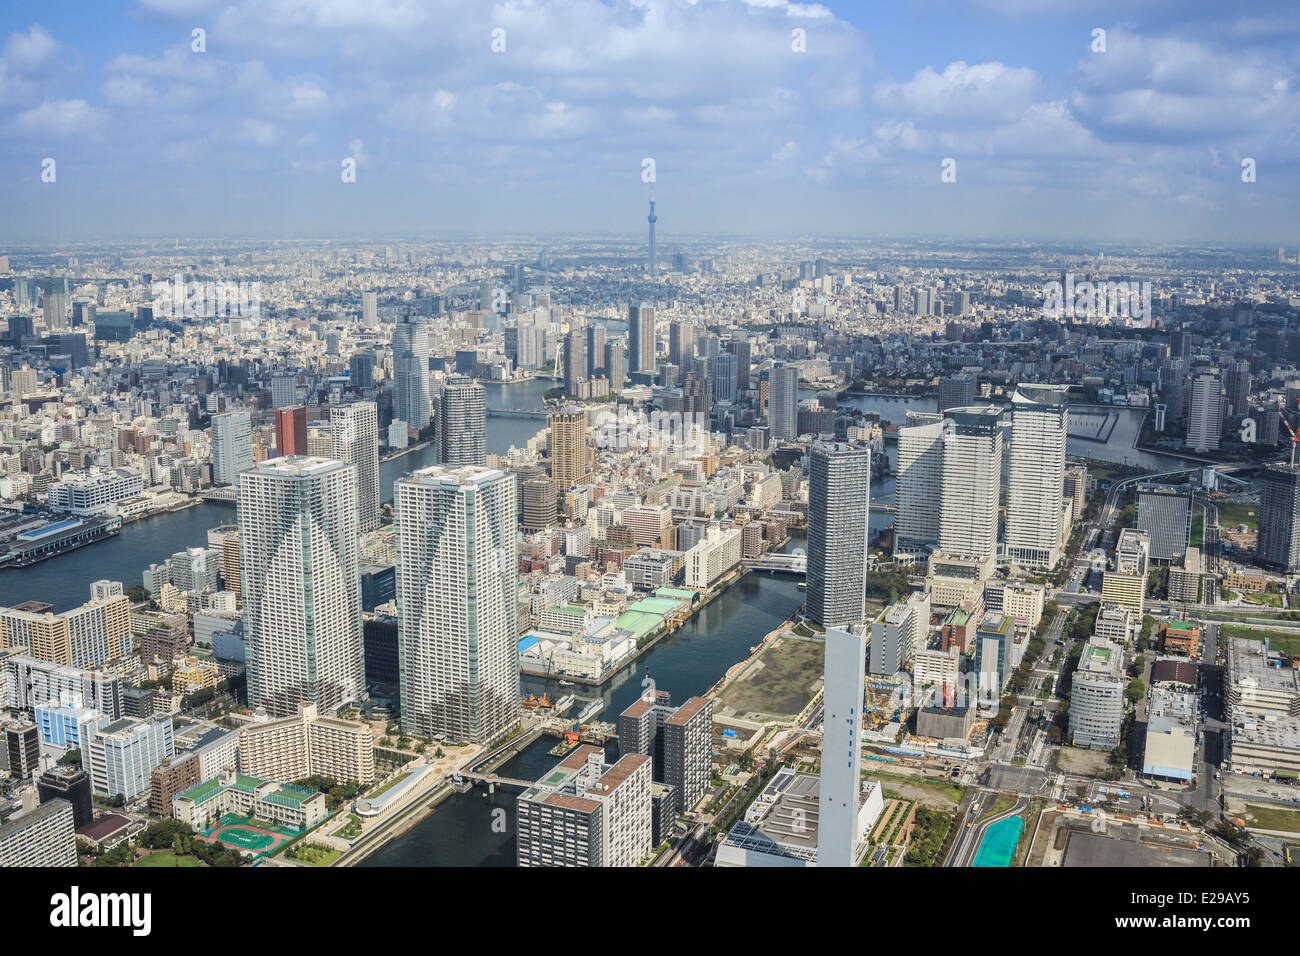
(1088, 763)
(931, 793)
(781, 682)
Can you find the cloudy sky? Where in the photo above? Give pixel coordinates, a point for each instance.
(762, 117)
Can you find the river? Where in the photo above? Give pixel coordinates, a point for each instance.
(465, 830)
(64, 581)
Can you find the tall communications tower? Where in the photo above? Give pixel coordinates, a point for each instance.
(652, 219)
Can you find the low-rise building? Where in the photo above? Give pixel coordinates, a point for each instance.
(1170, 749)
(285, 803)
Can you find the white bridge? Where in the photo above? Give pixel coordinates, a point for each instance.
(779, 563)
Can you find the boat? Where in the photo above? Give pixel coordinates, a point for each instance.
(566, 746)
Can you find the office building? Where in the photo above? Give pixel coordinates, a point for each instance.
(354, 429)
(839, 832)
(27, 683)
(232, 446)
(540, 503)
(462, 423)
(1279, 517)
(299, 561)
(997, 654)
(972, 479)
(1125, 584)
(93, 491)
(291, 431)
(284, 388)
(1036, 483)
(370, 309)
(898, 632)
(839, 491)
(120, 755)
(22, 740)
(457, 577)
(1164, 512)
(1097, 696)
(956, 391)
(72, 784)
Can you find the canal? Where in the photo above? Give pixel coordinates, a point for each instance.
(466, 830)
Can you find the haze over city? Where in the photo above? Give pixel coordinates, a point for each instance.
(535, 118)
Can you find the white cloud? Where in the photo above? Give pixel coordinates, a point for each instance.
(60, 118)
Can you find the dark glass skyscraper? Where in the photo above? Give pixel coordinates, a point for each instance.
(1279, 517)
(839, 492)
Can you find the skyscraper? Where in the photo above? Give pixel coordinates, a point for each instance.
(740, 348)
(411, 394)
(457, 575)
(1205, 411)
(641, 338)
(291, 431)
(284, 388)
(1164, 512)
(354, 429)
(681, 342)
(839, 491)
(300, 574)
(919, 484)
(570, 453)
(232, 445)
(1036, 484)
(1279, 517)
(783, 402)
(841, 777)
(575, 359)
(370, 309)
(616, 364)
(956, 391)
(595, 351)
(462, 423)
(972, 480)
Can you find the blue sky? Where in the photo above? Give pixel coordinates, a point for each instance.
(846, 137)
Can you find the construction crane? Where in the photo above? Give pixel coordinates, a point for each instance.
(1295, 438)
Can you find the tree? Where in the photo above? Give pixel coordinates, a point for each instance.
(1136, 690)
